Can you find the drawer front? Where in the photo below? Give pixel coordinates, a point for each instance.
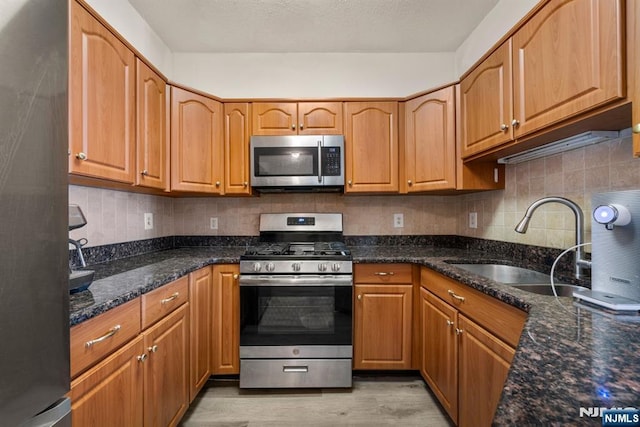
(295, 373)
(501, 319)
(382, 273)
(162, 301)
(96, 338)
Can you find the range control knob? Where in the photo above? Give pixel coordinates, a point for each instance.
(270, 267)
(322, 267)
(295, 266)
(257, 267)
(335, 267)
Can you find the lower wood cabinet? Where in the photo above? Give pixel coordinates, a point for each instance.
(201, 325)
(465, 361)
(110, 393)
(226, 320)
(166, 370)
(382, 316)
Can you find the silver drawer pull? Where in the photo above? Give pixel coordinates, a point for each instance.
(383, 273)
(453, 294)
(109, 334)
(169, 299)
(295, 369)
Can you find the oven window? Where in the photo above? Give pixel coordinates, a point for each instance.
(295, 315)
(298, 161)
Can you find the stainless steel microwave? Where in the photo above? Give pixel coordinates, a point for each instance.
(297, 163)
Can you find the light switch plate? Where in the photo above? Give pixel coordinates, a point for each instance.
(213, 223)
(148, 221)
(398, 220)
(473, 219)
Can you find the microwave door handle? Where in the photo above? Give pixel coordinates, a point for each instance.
(320, 162)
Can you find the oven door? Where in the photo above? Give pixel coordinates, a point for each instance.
(304, 313)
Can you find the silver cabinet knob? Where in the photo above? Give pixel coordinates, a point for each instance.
(153, 348)
(350, 183)
(504, 127)
(144, 172)
(459, 331)
(142, 357)
(449, 322)
(245, 184)
(636, 128)
(301, 126)
(359, 297)
(236, 276)
(81, 156)
(293, 127)
(410, 183)
(217, 183)
(515, 123)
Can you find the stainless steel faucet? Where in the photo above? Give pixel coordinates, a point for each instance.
(580, 263)
(78, 246)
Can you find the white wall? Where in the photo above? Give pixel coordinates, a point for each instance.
(497, 23)
(313, 75)
(128, 22)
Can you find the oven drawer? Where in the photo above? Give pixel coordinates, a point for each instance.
(295, 373)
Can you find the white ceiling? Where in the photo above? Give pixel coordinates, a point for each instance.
(370, 26)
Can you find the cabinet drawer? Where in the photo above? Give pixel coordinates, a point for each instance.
(162, 301)
(503, 320)
(96, 338)
(382, 273)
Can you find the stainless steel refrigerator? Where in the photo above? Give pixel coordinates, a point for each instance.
(34, 300)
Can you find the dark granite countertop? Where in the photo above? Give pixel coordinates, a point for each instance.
(569, 356)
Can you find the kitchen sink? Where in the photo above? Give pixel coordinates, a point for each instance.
(563, 290)
(79, 280)
(506, 273)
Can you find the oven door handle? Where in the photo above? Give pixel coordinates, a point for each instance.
(307, 280)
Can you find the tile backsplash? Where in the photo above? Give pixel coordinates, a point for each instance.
(115, 216)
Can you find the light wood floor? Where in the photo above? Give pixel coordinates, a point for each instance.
(373, 401)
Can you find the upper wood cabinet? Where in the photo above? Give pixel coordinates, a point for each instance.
(102, 112)
(196, 143)
(430, 142)
(633, 70)
(486, 103)
(371, 146)
(237, 134)
(152, 124)
(297, 118)
(565, 60)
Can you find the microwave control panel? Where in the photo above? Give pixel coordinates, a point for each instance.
(331, 161)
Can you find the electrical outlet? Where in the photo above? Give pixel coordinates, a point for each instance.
(213, 223)
(148, 221)
(398, 220)
(473, 219)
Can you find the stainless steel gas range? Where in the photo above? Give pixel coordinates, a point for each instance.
(296, 289)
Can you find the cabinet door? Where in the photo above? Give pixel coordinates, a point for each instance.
(166, 373)
(196, 143)
(430, 142)
(633, 71)
(483, 367)
(275, 118)
(382, 327)
(371, 145)
(320, 118)
(237, 135)
(486, 103)
(152, 141)
(109, 393)
(226, 320)
(201, 326)
(439, 364)
(567, 59)
(102, 101)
